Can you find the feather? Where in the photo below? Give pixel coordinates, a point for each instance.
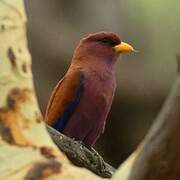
(65, 99)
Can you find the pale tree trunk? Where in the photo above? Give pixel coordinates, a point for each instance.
(26, 150)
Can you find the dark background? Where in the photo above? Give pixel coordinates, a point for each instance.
(144, 78)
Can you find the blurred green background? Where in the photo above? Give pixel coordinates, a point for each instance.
(144, 78)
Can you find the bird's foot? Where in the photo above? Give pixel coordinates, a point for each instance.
(79, 142)
(100, 162)
(95, 159)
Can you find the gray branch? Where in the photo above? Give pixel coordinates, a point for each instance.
(80, 155)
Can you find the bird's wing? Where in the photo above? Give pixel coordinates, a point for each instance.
(65, 99)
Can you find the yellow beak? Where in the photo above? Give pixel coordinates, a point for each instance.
(123, 47)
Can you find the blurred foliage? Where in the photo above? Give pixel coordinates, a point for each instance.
(144, 78)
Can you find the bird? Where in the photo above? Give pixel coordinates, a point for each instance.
(80, 102)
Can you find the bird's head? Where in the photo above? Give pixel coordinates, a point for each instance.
(103, 45)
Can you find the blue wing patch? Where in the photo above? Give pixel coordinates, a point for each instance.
(62, 120)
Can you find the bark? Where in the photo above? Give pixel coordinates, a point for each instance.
(27, 151)
(80, 155)
(158, 156)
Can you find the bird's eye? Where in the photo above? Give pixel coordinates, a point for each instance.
(107, 41)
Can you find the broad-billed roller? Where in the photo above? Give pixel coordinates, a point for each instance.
(81, 101)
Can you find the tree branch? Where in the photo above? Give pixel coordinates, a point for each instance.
(81, 155)
(159, 155)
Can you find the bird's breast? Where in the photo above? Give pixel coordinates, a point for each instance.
(99, 90)
(88, 120)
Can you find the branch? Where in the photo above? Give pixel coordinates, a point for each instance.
(158, 157)
(81, 155)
